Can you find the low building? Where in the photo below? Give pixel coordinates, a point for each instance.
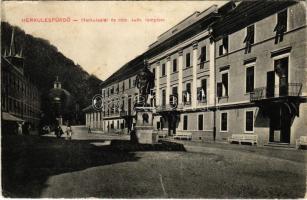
(93, 118)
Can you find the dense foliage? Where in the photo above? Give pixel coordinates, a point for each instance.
(43, 62)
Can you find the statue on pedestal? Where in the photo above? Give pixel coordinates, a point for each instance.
(145, 82)
(143, 132)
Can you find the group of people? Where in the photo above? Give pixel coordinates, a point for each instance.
(58, 131)
(23, 128)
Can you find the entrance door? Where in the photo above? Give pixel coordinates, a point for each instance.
(274, 124)
(285, 124)
(280, 124)
(270, 84)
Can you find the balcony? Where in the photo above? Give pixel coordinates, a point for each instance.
(278, 91)
(125, 113)
(202, 101)
(164, 108)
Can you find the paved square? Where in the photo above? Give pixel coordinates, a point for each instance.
(50, 167)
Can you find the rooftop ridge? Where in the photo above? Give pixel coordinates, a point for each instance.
(193, 18)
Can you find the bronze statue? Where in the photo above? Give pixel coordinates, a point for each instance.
(144, 82)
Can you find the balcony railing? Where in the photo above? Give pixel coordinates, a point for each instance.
(202, 101)
(291, 89)
(164, 108)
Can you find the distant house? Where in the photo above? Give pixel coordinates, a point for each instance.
(93, 117)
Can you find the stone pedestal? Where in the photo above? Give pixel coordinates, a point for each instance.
(144, 126)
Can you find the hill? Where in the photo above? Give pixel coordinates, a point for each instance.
(43, 62)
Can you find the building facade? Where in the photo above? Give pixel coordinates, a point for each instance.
(20, 99)
(93, 118)
(237, 69)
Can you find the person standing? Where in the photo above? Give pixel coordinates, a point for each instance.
(68, 132)
(19, 128)
(89, 129)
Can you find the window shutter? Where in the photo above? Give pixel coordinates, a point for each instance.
(248, 35)
(199, 93)
(219, 89)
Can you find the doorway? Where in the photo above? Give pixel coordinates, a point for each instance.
(280, 124)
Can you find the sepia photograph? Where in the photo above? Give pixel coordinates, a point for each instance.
(154, 99)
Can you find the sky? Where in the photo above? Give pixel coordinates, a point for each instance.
(102, 47)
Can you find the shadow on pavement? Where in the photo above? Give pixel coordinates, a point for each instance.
(28, 161)
(126, 145)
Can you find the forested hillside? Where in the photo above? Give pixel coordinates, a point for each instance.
(43, 62)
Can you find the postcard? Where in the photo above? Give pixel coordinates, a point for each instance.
(154, 99)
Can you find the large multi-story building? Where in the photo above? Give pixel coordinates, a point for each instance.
(20, 99)
(237, 69)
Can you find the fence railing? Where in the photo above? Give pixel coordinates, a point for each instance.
(290, 89)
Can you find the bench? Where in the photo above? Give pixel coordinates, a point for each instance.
(302, 141)
(243, 138)
(183, 135)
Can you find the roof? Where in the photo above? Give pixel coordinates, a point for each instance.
(8, 117)
(185, 23)
(237, 15)
(134, 66)
(89, 109)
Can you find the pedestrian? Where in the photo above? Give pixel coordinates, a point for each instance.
(89, 129)
(68, 132)
(20, 128)
(29, 129)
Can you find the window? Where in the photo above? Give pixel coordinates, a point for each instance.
(163, 69)
(202, 91)
(123, 85)
(223, 48)
(249, 85)
(123, 105)
(188, 88)
(174, 90)
(173, 100)
(224, 124)
(163, 97)
(203, 55)
(187, 94)
(129, 83)
(250, 38)
(175, 65)
(200, 122)
(188, 60)
(219, 89)
(281, 26)
(249, 121)
(185, 122)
